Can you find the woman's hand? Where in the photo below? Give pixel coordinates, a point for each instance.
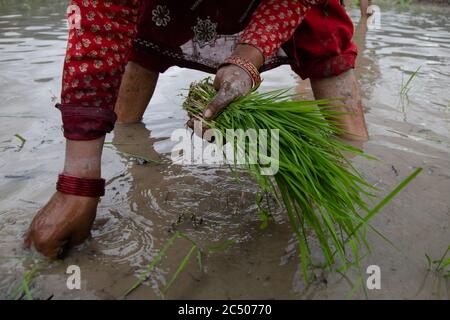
(230, 82)
(65, 221)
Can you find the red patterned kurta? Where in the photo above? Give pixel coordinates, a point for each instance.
(274, 22)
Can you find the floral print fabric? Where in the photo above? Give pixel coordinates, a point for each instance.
(98, 50)
(274, 22)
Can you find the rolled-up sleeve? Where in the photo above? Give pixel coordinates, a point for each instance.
(99, 43)
(274, 22)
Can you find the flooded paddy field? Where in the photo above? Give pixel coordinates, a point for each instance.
(146, 202)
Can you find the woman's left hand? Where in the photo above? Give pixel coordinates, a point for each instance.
(231, 82)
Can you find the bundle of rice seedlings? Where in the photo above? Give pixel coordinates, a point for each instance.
(321, 191)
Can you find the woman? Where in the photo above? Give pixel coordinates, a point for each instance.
(234, 39)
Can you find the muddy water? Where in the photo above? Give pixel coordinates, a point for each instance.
(146, 202)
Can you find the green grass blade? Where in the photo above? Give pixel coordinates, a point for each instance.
(180, 268)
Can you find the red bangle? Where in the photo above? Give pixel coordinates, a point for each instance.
(246, 65)
(83, 187)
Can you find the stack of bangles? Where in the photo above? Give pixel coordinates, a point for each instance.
(83, 187)
(245, 65)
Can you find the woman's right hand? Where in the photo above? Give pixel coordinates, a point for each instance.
(65, 221)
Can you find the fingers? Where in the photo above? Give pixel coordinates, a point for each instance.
(29, 237)
(227, 93)
(191, 123)
(231, 82)
(65, 221)
(45, 241)
(27, 242)
(218, 79)
(79, 236)
(50, 249)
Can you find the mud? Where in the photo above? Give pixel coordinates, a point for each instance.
(146, 201)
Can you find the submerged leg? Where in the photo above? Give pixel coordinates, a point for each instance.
(344, 86)
(136, 90)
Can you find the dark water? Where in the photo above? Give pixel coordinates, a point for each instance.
(145, 202)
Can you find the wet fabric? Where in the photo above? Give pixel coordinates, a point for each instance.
(97, 52)
(313, 36)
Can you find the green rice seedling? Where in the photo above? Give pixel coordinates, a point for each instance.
(403, 3)
(22, 141)
(318, 186)
(406, 87)
(442, 265)
(23, 290)
(199, 252)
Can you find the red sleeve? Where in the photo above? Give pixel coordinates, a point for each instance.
(97, 50)
(274, 22)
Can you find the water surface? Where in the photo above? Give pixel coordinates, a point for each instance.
(146, 202)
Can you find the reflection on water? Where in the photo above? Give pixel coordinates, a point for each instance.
(146, 202)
